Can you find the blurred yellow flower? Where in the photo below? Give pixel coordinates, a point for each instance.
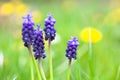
(21, 9)
(37, 16)
(113, 17)
(13, 7)
(7, 9)
(95, 35)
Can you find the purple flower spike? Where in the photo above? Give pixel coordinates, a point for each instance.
(49, 28)
(28, 30)
(38, 45)
(72, 48)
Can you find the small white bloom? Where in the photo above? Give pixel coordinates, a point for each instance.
(1, 59)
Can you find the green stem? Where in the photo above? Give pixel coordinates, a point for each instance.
(90, 55)
(31, 69)
(69, 70)
(118, 73)
(41, 69)
(79, 74)
(50, 60)
(33, 60)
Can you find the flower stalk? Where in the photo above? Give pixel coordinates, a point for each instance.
(118, 73)
(69, 70)
(41, 69)
(90, 55)
(31, 69)
(50, 59)
(33, 60)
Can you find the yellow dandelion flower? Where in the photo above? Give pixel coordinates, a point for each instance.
(21, 9)
(7, 9)
(37, 16)
(95, 35)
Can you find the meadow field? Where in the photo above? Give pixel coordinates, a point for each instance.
(73, 18)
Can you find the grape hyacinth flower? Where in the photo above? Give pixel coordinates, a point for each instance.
(38, 45)
(49, 28)
(28, 30)
(38, 48)
(72, 48)
(28, 33)
(71, 52)
(50, 34)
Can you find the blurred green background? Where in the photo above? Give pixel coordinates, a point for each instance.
(72, 17)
